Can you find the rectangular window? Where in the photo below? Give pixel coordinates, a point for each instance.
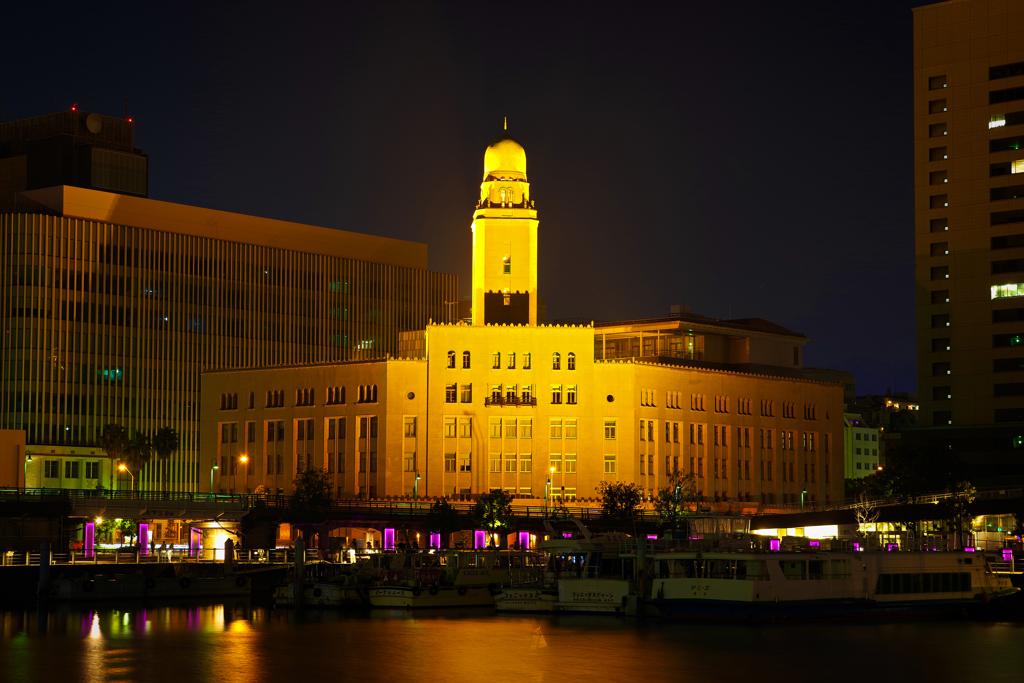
(92, 470)
(449, 462)
(465, 428)
(526, 428)
(556, 393)
(449, 427)
(1000, 340)
(609, 464)
(525, 466)
(937, 106)
(938, 177)
(650, 430)
(51, 469)
(495, 466)
(941, 369)
(936, 82)
(410, 462)
(570, 394)
(937, 154)
(1009, 192)
(494, 425)
(71, 469)
(556, 428)
(940, 296)
(609, 429)
(939, 248)
(643, 431)
(570, 428)
(940, 272)
(510, 428)
(526, 361)
(555, 463)
(410, 426)
(938, 225)
(937, 130)
(510, 463)
(1005, 95)
(496, 364)
(467, 393)
(527, 393)
(511, 361)
(1007, 315)
(250, 429)
(450, 393)
(465, 465)
(700, 435)
(938, 201)
(570, 463)
(942, 320)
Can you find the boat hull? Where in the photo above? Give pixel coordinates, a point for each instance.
(526, 600)
(323, 595)
(131, 588)
(406, 597)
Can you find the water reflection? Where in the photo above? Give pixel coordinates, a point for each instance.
(236, 641)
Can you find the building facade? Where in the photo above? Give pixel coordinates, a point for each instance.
(860, 444)
(543, 412)
(969, 227)
(114, 304)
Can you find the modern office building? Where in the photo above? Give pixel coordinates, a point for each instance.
(860, 446)
(969, 229)
(540, 411)
(113, 304)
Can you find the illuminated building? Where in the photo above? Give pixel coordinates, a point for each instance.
(540, 411)
(969, 230)
(113, 304)
(861, 447)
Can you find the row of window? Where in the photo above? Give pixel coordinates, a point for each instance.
(72, 469)
(718, 468)
(510, 359)
(721, 434)
(303, 397)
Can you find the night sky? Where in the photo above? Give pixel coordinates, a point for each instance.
(750, 159)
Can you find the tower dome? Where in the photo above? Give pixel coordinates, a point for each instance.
(505, 154)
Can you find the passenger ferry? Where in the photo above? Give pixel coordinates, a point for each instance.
(469, 578)
(586, 574)
(820, 585)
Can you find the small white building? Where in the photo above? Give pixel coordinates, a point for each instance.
(860, 447)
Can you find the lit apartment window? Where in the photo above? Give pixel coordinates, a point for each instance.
(467, 393)
(609, 429)
(1007, 291)
(450, 391)
(451, 359)
(609, 464)
(496, 360)
(465, 360)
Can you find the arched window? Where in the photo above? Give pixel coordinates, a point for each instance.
(374, 399)
(312, 400)
(362, 394)
(556, 361)
(305, 397)
(341, 395)
(465, 359)
(497, 360)
(298, 397)
(234, 401)
(252, 400)
(222, 401)
(280, 398)
(270, 401)
(571, 361)
(451, 359)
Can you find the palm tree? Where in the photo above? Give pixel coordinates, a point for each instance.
(165, 443)
(113, 440)
(138, 452)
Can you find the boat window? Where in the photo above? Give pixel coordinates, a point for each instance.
(751, 570)
(443, 560)
(935, 582)
(500, 563)
(816, 569)
(517, 561)
(719, 569)
(794, 570)
(840, 569)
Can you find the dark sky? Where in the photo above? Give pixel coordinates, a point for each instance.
(750, 159)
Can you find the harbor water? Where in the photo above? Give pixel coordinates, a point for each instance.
(239, 641)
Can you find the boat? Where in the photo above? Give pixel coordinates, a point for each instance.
(129, 587)
(328, 585)
(772, 586)
(457, 578)
(585, 573)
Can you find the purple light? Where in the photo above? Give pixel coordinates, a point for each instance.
(968, 550)
(1007, 555)
(389, 539)
(195, 542)
(815, 543)
(144, 539)
(435, 540)
(652, 537)
(775, 544)
(90, 538)
(524, 540)
(890, 547)
(566, 534)
(856, 547)
(479, 539)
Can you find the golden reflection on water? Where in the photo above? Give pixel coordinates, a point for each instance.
(239, 643)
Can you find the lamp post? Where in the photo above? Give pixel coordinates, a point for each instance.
(243, 460)
(416, 488)
(28, 459)
(215, 467)
(124, 468)
(802, 494)
(547, 492)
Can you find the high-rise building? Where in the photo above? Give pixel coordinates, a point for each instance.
(113, 305)
(969, 228)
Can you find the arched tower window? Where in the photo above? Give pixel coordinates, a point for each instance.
(270, 401)
(341, 395)
(556, 361)
(362, 394)
(252, 400)
(571, 361)
(374, 399)
(451, 359)
(312, 400)
(465, 359)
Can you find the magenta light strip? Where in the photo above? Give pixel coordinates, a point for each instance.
(479, 539)
(90, 538)
(652, 537)
(144, 539)
(524, 540)
(815, 544)
(435, 540)
(968, 550)
(195, 542)
(775, 544)
(389, 539)
(1007, 555)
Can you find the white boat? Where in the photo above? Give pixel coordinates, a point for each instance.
(691, 584)
(584, 573)
(460, 578)
(127, 587)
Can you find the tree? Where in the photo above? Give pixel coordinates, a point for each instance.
(673, 502)
(138, 452)
(311, 495)
(165, 443)
(956, 509)
(442, 519)
(113, 440)
(915, 469)
(619, 502)
(129, 528)
(865, 511)
(493, 512)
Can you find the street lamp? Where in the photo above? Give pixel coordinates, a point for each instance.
(242, 460)
(29, 459)
(215, 467)
(124, 468)
(547, 491)
(416, 488)
(802, 494)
